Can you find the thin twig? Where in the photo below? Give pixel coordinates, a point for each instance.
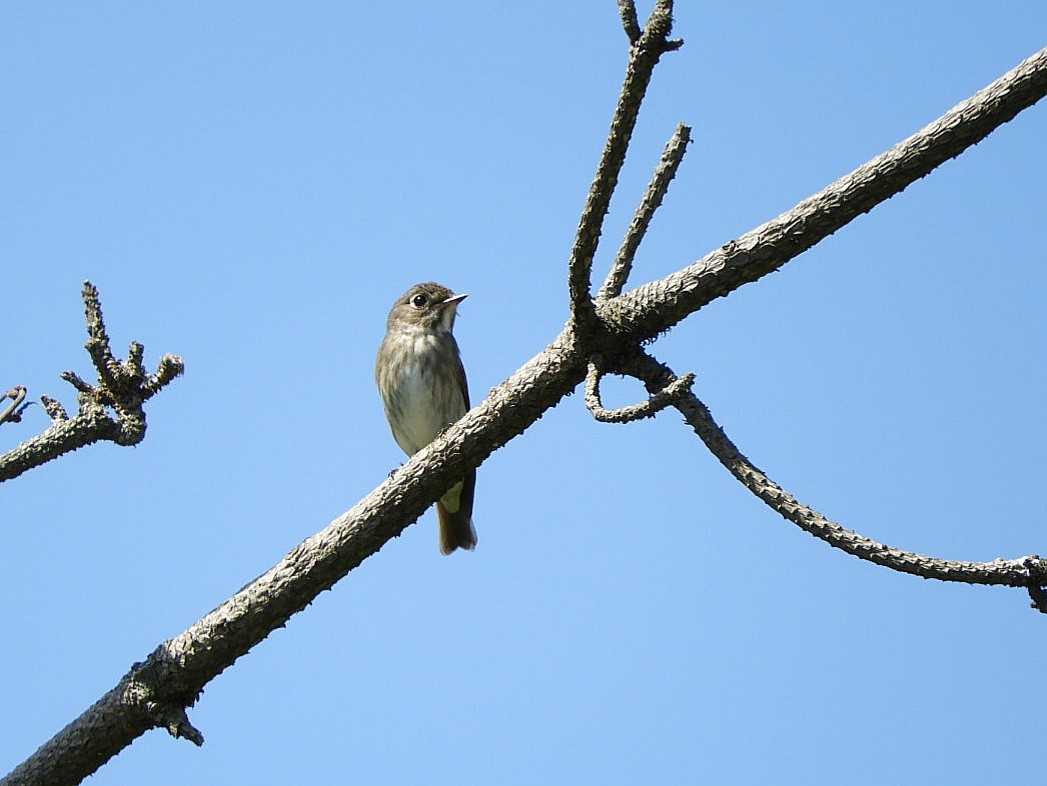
(169, 367)
(77, 382)
(643, 56)
(12, 413)
(1038, 597)
(174, 719)
(123, 387)
(133, 365)
(645, 409)
(1026, 572)
(630, 22)
(110, 373)
(53, 408)
(652, 200)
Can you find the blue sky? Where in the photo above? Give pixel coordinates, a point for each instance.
(251, 185)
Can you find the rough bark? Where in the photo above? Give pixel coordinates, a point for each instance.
(1028, 572)
(122, 389)
(153, 693)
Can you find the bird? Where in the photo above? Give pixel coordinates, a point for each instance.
(423, 387)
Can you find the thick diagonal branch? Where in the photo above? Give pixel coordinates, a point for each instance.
(187, 662)
(652, 308)
(122, 387)
(1020, 572)
(643, 56)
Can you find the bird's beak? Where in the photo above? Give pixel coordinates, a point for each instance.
(453, 300)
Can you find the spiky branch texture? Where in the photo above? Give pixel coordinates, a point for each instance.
(110, 410)
(643, 57)
(171, 678)
(1027, 572)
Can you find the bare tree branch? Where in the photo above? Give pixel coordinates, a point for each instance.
(176, 722)
(1027, 572)
(643, 56)
(1038, 598)
(630, 22)
(122, 387)
(175, 673)
(54, 409)
(652, 200)
(77, 382)
(110, 373)
(655, 307)
(169, 367)
(13, 412)
(646, 409)
(133, 367)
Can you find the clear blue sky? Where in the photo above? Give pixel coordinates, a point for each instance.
(250, 185)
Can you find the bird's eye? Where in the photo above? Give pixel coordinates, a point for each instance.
(419, 301)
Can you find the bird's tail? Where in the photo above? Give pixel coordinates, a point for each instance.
(454, 510)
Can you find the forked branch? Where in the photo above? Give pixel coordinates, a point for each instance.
(122, 389)
(643, 56)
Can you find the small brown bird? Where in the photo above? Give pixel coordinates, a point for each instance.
(423, 387)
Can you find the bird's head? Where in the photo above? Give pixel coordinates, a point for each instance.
(428, 306)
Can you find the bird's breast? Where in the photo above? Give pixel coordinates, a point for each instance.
(420, 388)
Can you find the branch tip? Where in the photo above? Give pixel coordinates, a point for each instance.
(13, 412)
(169, 367)
(658, 26)
(663, 174)
(174, 719)
(630, 22)
(93, 313)
(133, 367)
(110, 372)
(53, 408)
(77, 382)
(1038, 598)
